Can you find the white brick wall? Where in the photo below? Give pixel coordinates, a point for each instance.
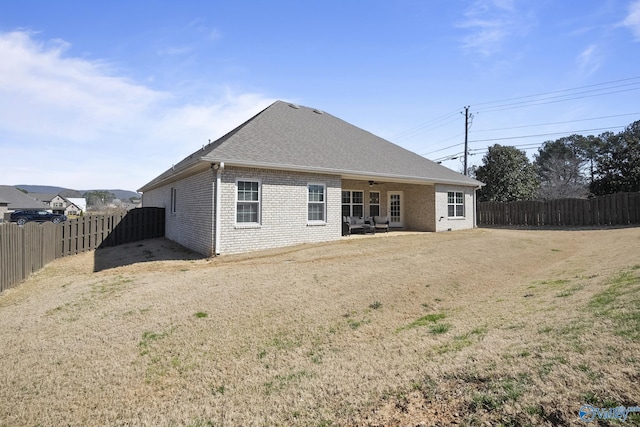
(444, 223)
(192, 223)
(283, 211)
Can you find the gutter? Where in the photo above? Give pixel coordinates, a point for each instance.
(196, 164)
(349, 174)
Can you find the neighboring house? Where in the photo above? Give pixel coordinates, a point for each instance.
(59, 204)
(290, 173)
(15, 200)
(45, 198)
(75, 206)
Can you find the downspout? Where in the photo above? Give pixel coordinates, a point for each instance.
(475, 206)
(218, 167)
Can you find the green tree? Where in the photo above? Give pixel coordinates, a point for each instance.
(560, 168)
(508, 175)
(618, 162)
(98, 198)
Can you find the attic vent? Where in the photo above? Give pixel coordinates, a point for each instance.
(318, 111)
(294, 106)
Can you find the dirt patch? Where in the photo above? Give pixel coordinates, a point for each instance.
(481, 326)
(151, 250)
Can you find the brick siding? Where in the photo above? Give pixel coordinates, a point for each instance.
(283, 219)
(192, 223)
(445, 223)
(283, 209)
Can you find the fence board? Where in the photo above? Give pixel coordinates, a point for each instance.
(611, 209)
(26, 249)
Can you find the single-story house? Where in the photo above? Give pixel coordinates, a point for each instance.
(13, 200)
(290, 174)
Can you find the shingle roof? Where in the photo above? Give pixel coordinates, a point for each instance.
(291, 137)
(43, 197)
(18, 200)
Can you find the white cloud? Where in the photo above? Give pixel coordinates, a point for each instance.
(490, 23)
(52, 95)
(72, 122)
(632, 20)
(590, 59)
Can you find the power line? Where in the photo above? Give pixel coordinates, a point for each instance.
(476, 151)
(432, 127)
(531, 103)
(529, 146)
(442, 149)
(534, 135)
(547, 134)
(558, 123)
(423, 126)
(559, 91)
(537, 103)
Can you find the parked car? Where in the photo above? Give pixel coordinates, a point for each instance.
(22, 217)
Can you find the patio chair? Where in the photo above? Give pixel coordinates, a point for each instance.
(353, 224)
(381, 223)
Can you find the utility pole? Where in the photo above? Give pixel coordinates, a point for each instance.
(466, 138)
(467, 119)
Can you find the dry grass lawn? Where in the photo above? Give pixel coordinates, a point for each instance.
(511, 327)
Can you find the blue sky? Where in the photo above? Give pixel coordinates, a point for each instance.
(111, 94)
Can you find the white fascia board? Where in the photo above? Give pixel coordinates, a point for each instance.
(346, 174)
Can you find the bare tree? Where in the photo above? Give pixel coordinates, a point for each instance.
(560, 167)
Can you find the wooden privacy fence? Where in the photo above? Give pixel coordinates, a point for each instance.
(612, 209)
(26, 249)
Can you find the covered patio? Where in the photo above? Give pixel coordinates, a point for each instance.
(409, 207)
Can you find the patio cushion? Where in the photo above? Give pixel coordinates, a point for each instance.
(381, 220)
(354, 220)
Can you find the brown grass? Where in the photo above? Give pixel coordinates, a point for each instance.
(501, 326)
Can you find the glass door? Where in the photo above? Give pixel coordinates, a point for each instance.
(395, 208)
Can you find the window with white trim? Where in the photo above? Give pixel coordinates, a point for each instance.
(374, 203)
(248, 202)
(352, 203)
(316, 206)
(455, 204)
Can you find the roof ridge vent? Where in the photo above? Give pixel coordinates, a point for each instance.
(296, 106)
